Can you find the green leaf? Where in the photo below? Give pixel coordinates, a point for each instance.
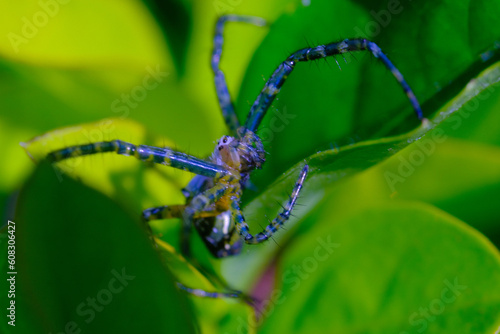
(387, 269)
(461, 178)
(175, 18)
(83, 262)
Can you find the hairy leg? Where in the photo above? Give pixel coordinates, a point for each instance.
(158, 155)
(279, 221)
(277, 79)
(225, 102)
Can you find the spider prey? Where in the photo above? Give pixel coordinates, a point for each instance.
(213, 196)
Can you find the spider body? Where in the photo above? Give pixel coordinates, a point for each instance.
(239, 155)
(213, 196)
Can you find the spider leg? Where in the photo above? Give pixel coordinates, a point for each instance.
(195, 186)
(225, 102)
(172, 211)
(160, 212)
(163, 212)
(163, 156)
(277, 79)
(207, 294)
(279, 221)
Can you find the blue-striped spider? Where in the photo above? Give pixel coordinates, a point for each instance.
(213, 196)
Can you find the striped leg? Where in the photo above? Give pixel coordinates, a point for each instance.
(277, 79)
(225, 102)
(158, 155)
(207, 294)
(279, 221)
(172, 211)
(163, 212)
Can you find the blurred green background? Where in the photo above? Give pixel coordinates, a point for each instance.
(406, 219)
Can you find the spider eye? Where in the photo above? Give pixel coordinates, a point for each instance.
(224, 140)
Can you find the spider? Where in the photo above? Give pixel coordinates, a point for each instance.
(213, 196)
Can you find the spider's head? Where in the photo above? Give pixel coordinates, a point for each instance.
(244, 154)
(226, 152)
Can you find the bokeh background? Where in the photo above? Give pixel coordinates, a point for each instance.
(404, 220)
